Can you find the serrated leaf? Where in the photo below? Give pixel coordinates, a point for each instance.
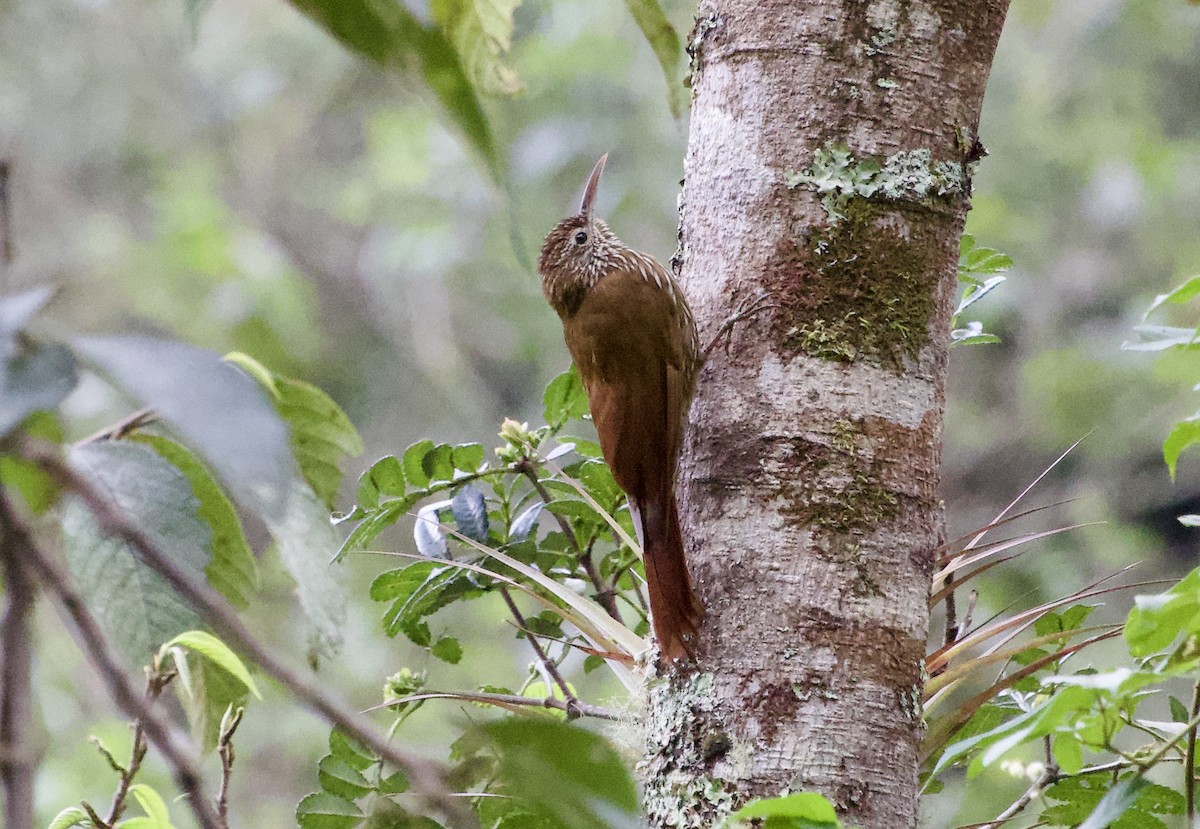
(231, 569)
(393, 37)
(447, 649)
(35, 378)
(133, 603)
(565, 773)
(417, 591)
(69, 817)
(323, 810)
(350, 751)
(525, 521)
(216, 651)
(481, 31)
(220, 412)
(565, 398)
(340, 778)
(414, 463)
(470, 512)
(467, 457)
(384, 479)
(664, 40)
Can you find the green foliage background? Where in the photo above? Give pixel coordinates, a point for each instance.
(247, 184)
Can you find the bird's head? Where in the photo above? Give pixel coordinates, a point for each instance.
(575, 252)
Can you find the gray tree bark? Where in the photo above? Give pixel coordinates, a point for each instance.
(828, 169)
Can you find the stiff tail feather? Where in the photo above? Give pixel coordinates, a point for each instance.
(675, 610)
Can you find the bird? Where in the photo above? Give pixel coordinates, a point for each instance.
(634, 341)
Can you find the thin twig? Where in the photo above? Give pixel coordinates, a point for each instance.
(546, 662)
(156, 681)
(582, 709)
(1049, 776)
(140, 418)
(604, 593)
(1189, 762)
(131, 703)
(427, 778)
(229, 725)
(18, 759)
(6, 235)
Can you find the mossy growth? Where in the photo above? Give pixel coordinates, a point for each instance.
(860, 288)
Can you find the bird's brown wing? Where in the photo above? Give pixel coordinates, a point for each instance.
(630, 341)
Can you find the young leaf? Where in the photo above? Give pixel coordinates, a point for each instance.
(206, 691)
(218, 652)
(152, 804)
(69, 817)
(1184, 435)
(385, 478)
(565, 398)
(447, 649)
(803, 809)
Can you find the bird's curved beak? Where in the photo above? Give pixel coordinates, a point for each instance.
(589, 190)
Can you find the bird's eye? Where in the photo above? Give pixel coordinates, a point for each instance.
(580, 238)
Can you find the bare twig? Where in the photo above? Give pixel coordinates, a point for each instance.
(130, 423)
(156, 681)
(581, 709)
(604, 593)
(427, 778)
(546, 662)
(6, 243)
(131, 703)
(229, 725)
(18, 758)
(1189, 762)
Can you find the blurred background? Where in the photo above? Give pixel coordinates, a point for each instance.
(226, 174)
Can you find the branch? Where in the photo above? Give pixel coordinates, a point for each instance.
(428, 779)
(1048, 777)
(18, 759)
(582, 709)
(155, 683)
(547, 663)
(229, 725)
(604, 593)
(132, 704)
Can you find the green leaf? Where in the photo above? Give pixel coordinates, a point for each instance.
(320, 432)
(340, 778)
(417, 591)
(565, 398)
(562, 772)
(134, 604)
(390, 35)
(1184, 435)
(34, 378)
(214, 649)
(232, 569)
(350, 751)
(30, 480)
(152, 804)
(1179, 295)
(1068, 752)
(306, 542)
(1115, 803)
(438, 463)
(663, 39)
(218, 411)
(447, 650)
(1155, 621)
(1179, 712)
(481, 31)
(803, 809)
(206, 691)
(370, 527)
(385, 479)
(69, 817)
(323, 810)
(414, 463)
(467, 457)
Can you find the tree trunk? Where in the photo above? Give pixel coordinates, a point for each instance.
(828, 171)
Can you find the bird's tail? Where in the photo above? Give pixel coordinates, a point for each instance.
(675, 610)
